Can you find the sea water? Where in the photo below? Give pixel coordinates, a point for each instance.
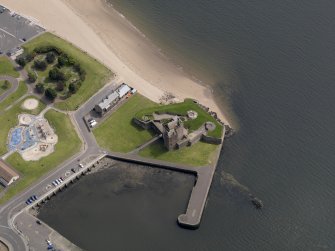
(273, 63)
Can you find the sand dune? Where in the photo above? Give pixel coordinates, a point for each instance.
(108, 36)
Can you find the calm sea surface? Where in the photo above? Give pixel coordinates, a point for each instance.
(273, 62)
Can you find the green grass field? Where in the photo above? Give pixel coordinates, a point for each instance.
(200, 154)
(68, 144)
(9, 119)
(96, 74)
(6, 68)
(181, 109)
(20, 91)
(118, 133)
(4, 87)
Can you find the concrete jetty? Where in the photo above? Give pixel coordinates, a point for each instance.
(204, 175)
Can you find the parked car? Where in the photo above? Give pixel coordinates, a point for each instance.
(73, 170)
(81, 165)
(34, 197)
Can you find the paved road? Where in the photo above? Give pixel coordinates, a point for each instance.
(15, 84)
(10, 210)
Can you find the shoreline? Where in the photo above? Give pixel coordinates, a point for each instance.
(110, 38)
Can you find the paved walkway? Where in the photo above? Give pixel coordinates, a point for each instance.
(15, 84)
(146, 144)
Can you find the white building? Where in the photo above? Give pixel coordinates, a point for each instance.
(7, 174)
(123, 90)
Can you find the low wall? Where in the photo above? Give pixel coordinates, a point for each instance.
(143, 124)
(211, 140)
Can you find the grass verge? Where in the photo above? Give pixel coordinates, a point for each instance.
(96, 73)
(6, 68)
(68, 144)
(20, 91)
(200, 154)
(118, 133)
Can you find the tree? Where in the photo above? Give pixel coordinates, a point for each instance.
(50, 57)
(60, 86)
(50, 93)
(56, 74)
(40, 88)
(21, 61)
(63, 60)
(40, 65)
(73, 88)
(32, 76)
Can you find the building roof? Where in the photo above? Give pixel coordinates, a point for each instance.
(105, 104)
(123, 90)
(6, 172)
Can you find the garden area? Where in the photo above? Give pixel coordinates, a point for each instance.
(62, 72)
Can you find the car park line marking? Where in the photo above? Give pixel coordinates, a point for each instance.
(10, 34)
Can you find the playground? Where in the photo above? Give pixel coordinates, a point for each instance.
(33, 138)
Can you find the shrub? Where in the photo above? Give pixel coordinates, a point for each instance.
(40, 65)
(40, 88)
(63, 60)
(5, 85)
(50, 93)
(56, 74)
(21, 61)
(32, 76)
(50, 57)
(30, 56)
(47, 48)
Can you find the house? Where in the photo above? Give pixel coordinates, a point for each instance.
(123, 90)
(7, 174)
(106, 104)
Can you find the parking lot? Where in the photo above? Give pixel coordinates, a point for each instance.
(15, 30)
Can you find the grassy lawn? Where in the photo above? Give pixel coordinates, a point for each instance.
(6, 68)
(9, 119)
(118, 133)
(96, 74)
(20, 91)
(181, 109)
(68, 144)
(199, 154)
(4, 87)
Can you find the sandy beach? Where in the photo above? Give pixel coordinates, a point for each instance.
(102, 32)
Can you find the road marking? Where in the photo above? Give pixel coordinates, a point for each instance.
(5, 226)
(10, 34)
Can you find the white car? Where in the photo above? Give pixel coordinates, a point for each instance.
(93, 123)
(81, 165)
